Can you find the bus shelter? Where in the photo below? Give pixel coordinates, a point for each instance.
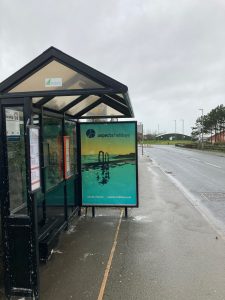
(40, 107)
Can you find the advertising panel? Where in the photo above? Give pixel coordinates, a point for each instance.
(67, 162)
(12, 124)
(34, 158)
(109, 164)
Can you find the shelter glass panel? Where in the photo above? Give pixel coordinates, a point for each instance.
(103, 110)
(36, 99)
(53, 154)
(70, 161)
(120, 95)
(83, 104)
(58, 103)
(39, 193)
(70, 131)
(14, 117)
(117, 98)
(55, 76)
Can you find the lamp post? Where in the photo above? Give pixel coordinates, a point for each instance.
(175, 123)
(182, 120)
(201, 109)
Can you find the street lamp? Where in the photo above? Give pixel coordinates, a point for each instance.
(142, 137)
(175, 123)
(201, 109)
(182, 120)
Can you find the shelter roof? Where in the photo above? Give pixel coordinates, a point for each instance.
(61, 83)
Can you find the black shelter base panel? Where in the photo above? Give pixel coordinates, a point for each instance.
(49, 236)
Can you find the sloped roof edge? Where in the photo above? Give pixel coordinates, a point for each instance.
(54, 53)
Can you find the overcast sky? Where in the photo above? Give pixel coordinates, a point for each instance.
(170, 53)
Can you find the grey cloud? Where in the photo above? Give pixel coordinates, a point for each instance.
(169, 53)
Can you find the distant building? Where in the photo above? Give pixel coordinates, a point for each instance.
(217, 138)
(173, 136)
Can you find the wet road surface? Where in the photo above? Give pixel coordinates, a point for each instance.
(201, 175)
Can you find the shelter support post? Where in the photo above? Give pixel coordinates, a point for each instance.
(126, 212)
(93, 212)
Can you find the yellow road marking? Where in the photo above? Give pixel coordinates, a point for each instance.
(108, 266)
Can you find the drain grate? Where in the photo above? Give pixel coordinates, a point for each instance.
(214, 196)
(168, 172)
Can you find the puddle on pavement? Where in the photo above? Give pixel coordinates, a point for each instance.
(56, 252)
(109, 224)
(86, 255)
(142, 219)
(71, 229)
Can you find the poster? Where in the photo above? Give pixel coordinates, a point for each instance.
(34, 158)
(67, 162)
(12, 124)
(109, 164)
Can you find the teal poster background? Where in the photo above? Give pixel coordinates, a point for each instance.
(108, 164)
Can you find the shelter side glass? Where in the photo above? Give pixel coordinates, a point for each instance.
(14, 118)
(53, 154)
(70, 153)
(53, 168)
(39, 193)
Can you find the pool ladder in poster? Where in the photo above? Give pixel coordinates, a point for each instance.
(103, 175)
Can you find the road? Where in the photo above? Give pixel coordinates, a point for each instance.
(200, 175)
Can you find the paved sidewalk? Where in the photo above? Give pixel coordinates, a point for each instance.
(165, 250)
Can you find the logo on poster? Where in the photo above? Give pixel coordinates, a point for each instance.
(90, 133)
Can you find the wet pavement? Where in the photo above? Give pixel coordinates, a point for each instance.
(164, 250)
